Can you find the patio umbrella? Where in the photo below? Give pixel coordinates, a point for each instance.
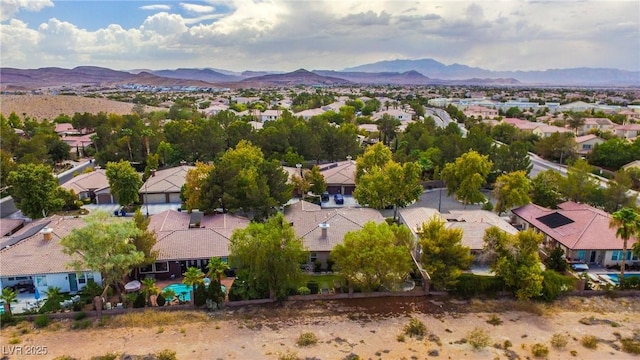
(37, 294)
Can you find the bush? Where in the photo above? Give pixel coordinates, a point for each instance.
(494, 320)
(7, 320)
(140, 301)
(632, 283)
(632, 346)
(303, 290)
(559, 341)
(539, 350)
(554, 284)
(199, 295)
(556, 260)
(161, 300)
(166, 354)
(307, 339)
(214, 292)
(330, 263)
(41, 321)
(478, 338)
(81, 324)
(79, 316)
(313, 286)
(589, 341)
(470, 285)
(317, 265)
(415, 328)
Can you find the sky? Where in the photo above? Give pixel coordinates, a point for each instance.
(285, 35)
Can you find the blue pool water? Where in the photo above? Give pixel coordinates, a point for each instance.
(183, 291)
(614, 277)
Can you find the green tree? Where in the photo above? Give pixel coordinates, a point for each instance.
(559, 147)
(374, 256)
(626, 221)
(192, 278)
(443, 255)
(270, 253)
(105, 245)
(388, 127)
(216, 267)
(194, 183)
(54, 297)
(515, 259)
(579, 183)
(8, 297)
(124, 182)
(616, 194)
(377, 155)
(545, 189)
(33, 188)
(149, 288)
(145, 240)
(511, 190)
(316, 180)
(466, 175)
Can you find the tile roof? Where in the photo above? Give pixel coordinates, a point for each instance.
(581, 139)
(307, 217)
(33, 255)
(339, 173)
(95, 180)
(9, 225)
(588, 231)
(474, 224)
(166, 180)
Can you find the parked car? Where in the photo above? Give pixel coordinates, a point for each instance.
(338, 199)
(325, 196)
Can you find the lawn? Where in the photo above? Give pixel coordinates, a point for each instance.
(324, 281)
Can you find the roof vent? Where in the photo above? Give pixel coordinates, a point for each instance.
(47, 233)
(324, 226)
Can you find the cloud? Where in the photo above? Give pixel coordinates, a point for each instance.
(156, 7)
(8, 8)
(164, 24)
(198, 9)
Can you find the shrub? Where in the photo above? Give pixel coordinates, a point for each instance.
(307, 339)
(313, 286)
(41, 321)
(556, 260)
(632, 283)
(81, 324)
(199, 295)
(7, 320)
(400, 338)
(478, 338)
(554, 284)
(539, 350)
(330, 263)
(494, 320)
(289, 355)
(630, 345)
(507, 344)
(303, 290)
(415, 328)
(589, 341)
(161, 300)
(14, 341)
(166, 354)
(317, 265)
(140, 301)
(64, 357)
(470, 285)
(109, 356)
(214, 292)
(559, 341)
(79, 316)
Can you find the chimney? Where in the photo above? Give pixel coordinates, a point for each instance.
(47, 233)
(182, 163)
(153, 172)
(324, 226)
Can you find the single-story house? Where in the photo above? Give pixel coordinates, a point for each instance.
(163, 186)
(400, 115)
(189, 240)
(582, 231)
(340, 176)
(33, 257)
(322, 229)
(93, 185)
(627, 131)
(78, 143)
(586, 143)
(65, 129)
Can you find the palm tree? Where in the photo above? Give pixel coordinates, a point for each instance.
(627, 222)
(192, 277)
(149, 288)
(54, 296)
(8, 296)
(168, 294)
(147, 133)
(217, 267)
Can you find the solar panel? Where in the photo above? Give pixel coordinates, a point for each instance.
(25, 235)
(554, 220)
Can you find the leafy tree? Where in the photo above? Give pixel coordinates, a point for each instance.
(149, 288)
(616, 193)
(465, 177)
(511, 190)
(58, 150)
(146, 240)
(614, 153)
(192, 278)
(33, 188)
(377, 155)
(374, 256)
(8, 296)
(559, 147)
(316, 180)
(216, 267)
(54, 297)
(511, 158)
(388, 125)
(7, 165)
(627, 224)
(556, 260)
(579, 184)
(105, 245)
(515, 259)
(194, 183)
(545, 189)
(443, 255)
(124, 182)
(270, 253)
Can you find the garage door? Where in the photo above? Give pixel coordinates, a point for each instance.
(334, 189)
(348, 190)
(103, 199)
(174, 198)
(156, 198)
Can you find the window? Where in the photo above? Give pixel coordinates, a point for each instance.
(580, 254)
(313, 257)
(82, 279)
(161, 267)
(146, 269)
(41, 281)
(616, 255)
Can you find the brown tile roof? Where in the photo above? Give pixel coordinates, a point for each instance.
(166, 180)
(414, 217)
(588, 231)
(8, 226)
(95, 180)
(33, 255)
(340, 173)
(307, 217)
(474, 224)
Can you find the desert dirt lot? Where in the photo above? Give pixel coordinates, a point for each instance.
(42, 107)
(369, 328)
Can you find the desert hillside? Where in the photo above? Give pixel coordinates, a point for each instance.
(50, 106)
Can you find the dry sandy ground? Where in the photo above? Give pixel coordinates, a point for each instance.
(368, 328)
(49, 106)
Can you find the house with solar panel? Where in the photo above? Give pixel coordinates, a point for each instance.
(582, 231)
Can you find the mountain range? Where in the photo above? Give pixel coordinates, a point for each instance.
(394, 72)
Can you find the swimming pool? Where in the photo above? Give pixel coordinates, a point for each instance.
(614, 277)
(183, 291)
